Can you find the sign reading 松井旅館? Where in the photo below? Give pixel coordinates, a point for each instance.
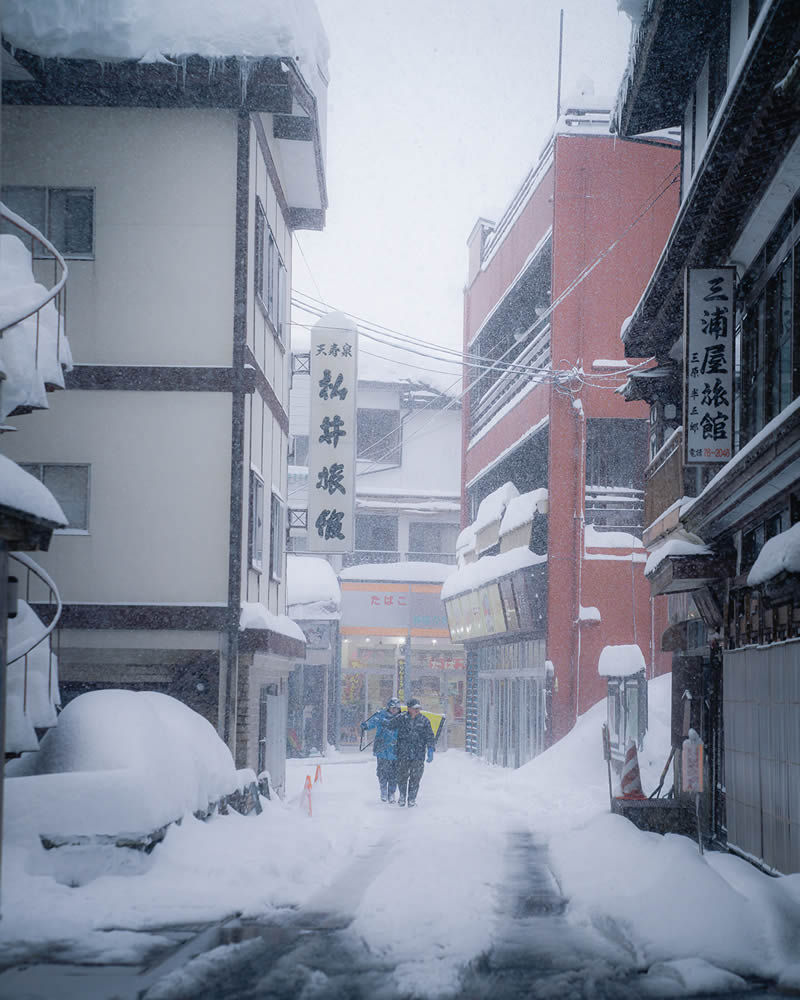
(709, 319)
(332, 434)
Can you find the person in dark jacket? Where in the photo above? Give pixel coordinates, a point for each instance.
(415, 743)
(385, 747)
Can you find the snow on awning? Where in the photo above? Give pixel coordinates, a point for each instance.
(780, 554)
(679, 544)
(488, 569)
(521, 509)
(265, 632)
(310, 579)
(620, 661)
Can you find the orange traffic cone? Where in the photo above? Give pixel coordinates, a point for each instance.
(318, 774)
(631, 782)
(306, 793)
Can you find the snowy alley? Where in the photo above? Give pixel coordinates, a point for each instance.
(497, 877)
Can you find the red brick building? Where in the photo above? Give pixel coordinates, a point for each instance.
(548, 290)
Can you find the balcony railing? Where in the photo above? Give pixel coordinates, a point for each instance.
(38, 312)
(361, 556)
(664, 478)
(509, 377)
(32, 681)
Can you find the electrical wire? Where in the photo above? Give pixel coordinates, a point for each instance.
(560, 379)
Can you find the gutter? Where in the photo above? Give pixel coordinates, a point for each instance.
(238, 394)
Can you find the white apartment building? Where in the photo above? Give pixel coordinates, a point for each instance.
(173, 190)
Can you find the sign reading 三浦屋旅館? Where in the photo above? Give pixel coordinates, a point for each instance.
(332, 434)
(708, 364)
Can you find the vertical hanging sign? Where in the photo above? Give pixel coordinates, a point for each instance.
(708, 364)
(332, 434)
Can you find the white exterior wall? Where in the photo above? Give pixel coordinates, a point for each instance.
(159, 493)
(165, 183)
(266, 444)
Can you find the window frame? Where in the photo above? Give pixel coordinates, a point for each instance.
(391, 442)
(255, 529)
(46, 228)
(269, 275)
(277, 535)
(36, 469)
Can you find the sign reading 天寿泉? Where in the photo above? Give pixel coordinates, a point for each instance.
(332, 434)
(708, 364)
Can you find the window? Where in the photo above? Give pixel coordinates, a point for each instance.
(276, 537)
(770, 328)
(256, 533)
(379, 436)
(425, 537)
(69, 484)
(718, 63)
(270, 274)
(376, 532)
(64, 215)
(299, 452)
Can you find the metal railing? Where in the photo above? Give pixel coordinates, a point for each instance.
(358, 557)
(509, 377)
(56, 294)
(23, 650)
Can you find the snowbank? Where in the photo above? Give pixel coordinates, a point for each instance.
(117, 762)
(422, 889)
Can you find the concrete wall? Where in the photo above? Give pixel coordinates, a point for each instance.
(164, 184)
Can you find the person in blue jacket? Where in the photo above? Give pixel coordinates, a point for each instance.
(415, 744)
(385, 747)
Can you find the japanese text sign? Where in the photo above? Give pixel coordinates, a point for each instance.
(708, 364)
(332, 434)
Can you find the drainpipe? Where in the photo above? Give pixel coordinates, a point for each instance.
(237, 430)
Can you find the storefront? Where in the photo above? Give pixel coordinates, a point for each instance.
(395, 641)
(501, 621)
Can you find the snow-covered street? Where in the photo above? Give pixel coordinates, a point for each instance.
(441, 900)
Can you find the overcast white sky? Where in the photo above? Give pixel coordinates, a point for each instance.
(437, 109)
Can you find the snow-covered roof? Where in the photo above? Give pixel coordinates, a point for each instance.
(620, 661)
(22, 492)
(680, 543)
(398, 572)
(590, 614)
(309, 580)
(520, 510)
(780, 554)
(256, 615)
(489, 568)
(149, 30)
